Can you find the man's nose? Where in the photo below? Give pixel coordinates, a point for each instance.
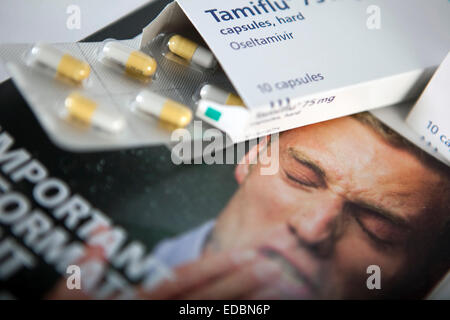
(315, 224)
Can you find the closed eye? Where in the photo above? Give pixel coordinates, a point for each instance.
(302, 171)
(303, 181)
(380, 229)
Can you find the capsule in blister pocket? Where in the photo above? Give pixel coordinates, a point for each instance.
(191, 51)
(60, 63)
(134, 62)
(216, 94)
(163, 108)
(87, 111)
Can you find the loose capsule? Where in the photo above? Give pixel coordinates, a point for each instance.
(134, 62)
(87, 111)
(61, 63)
(164, 109)
(191, 52)
(213, 93)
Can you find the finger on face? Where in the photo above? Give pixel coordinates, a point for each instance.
(196, 274)
(61, 292)
(278, 291)
(239, 283)
(267, 293)
(285, 288)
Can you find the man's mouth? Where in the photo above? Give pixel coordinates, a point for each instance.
(295, 280)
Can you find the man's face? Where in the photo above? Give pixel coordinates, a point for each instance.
(342, 200)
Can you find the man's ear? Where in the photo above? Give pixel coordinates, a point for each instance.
(243, 167)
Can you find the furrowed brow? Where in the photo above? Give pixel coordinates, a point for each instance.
(390, 216)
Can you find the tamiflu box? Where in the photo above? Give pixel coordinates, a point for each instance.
(297, 62)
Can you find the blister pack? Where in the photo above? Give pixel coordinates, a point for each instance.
(115, 94)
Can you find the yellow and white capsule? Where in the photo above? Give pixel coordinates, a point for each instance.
(213, 93)
(191, 52)
(134, 62)
(87, 111)
(164, 109)
(61, 63)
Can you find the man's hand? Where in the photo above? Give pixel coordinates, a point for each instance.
(230, 275)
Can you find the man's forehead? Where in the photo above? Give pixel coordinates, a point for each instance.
(347, 145)
(341, 145)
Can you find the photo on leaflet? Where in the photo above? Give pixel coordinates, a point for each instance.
(351, 200)
(354, 211)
